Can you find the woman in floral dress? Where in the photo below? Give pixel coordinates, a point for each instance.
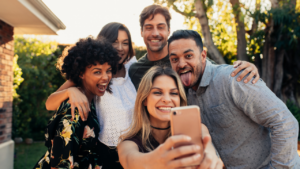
(72, 142)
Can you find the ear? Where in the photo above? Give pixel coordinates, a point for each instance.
(145, 102)
(203, 55)
(81, 76)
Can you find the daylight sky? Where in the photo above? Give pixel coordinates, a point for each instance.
(86, 17)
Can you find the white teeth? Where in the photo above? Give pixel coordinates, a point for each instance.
(154, 40)
(165, 108)
(103, 84)
(185, 71)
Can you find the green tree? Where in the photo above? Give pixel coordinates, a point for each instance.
(37, 60)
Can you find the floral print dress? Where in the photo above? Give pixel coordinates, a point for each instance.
(71, 144)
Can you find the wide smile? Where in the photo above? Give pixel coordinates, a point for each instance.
(102, 87)
(164, 109)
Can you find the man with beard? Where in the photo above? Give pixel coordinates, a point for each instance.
(155, 30)
(250, 127)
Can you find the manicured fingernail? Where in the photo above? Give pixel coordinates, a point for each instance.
(245, 81)
(232, 74)
(238, 79)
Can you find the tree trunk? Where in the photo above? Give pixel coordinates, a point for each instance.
(240, 30)
(203, 20)
(278, 75)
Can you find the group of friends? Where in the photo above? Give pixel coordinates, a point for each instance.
(113, 111)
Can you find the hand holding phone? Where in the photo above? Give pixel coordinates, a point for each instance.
(187, 121)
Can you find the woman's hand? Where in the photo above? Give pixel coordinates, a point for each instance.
(164, 156)
(249, 68)
(79, 100)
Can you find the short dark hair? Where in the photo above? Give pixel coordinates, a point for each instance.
(111, 31)
(152, 10)
(87, 52)
(186, 34)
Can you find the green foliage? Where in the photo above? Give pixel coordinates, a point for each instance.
(139, 52)
(37, 61)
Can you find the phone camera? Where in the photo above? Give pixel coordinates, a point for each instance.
(174, 112)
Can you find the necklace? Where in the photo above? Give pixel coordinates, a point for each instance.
(160, 128)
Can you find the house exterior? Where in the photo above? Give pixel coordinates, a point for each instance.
(17, 17)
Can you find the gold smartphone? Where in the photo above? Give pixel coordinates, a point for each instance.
(186, 120)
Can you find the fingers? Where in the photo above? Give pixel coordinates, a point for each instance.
(205, 141)
(186, 161)
(237, 63)
(237, 70)
(206, 163)
(81, 113)
(182, 151)
(256, 79)
(173, 140)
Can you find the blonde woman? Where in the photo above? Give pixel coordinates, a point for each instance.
(148, 143)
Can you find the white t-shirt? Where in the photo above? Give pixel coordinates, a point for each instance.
(115, 110)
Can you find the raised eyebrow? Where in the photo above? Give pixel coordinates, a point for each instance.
(148, 25)
(97, 68)
(172, 54)
(189, 50)
(155, 88)
(174, 89)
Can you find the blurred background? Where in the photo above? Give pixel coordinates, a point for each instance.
(33, 34)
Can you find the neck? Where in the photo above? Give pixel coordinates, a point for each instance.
(88, 94)
(120, 72)
(195, 87)
(160, 135)
(155, 56)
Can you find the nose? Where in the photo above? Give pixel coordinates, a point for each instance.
(155, 32)
(166, 98)
(105, 77)
(120, 46)
(181, 63)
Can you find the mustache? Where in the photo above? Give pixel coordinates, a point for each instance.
(184, 68)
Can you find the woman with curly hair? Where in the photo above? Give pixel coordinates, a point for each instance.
(71, 142)
(114, 110)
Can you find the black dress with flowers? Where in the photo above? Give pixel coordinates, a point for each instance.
(71, 144)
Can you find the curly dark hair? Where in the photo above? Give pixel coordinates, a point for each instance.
(87, 52)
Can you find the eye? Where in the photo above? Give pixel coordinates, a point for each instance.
(97, 72)
(188, 56)
(175, 93)
(148, 28)
(109, 71)
(174, 59)
(157, 93)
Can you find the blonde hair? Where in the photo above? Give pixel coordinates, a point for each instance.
(141, 124)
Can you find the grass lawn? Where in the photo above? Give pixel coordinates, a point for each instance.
(28, 155)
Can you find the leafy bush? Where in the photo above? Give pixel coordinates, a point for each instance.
(41, 78)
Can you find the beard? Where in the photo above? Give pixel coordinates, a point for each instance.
(160, 48)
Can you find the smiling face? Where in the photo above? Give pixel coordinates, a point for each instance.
(155, 32)
(122, 45)
(188, 61)
(95, 79)
(163, 96)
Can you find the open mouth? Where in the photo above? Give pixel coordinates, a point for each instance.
(102, 87)
(164, 109)
(186, 77)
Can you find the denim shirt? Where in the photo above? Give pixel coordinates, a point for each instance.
(250, 127)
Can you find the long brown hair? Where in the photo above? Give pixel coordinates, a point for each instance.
(141, 123)
(111, 31)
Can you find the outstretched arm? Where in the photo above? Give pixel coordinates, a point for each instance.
(76, 99)
(164, 156)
